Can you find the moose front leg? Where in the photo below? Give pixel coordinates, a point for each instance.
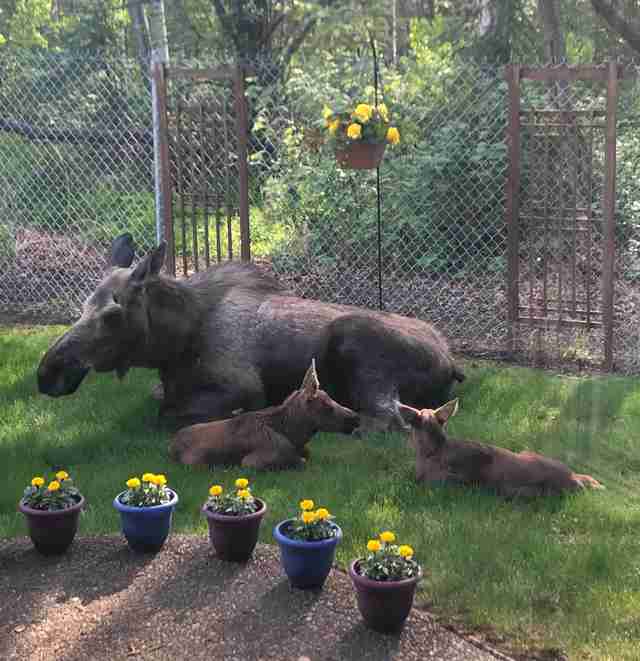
(188, 404)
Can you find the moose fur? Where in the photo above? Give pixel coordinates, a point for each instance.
(232, 338)
(274, 437)
(443, 459)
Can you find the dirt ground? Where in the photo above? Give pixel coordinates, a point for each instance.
(100, 601)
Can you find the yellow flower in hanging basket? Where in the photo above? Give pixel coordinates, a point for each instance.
(354, 131)
(393, 135)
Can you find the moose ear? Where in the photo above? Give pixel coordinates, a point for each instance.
(151, 264)
(446, 411)
(310, 383)
(410, 415)
(122, 251)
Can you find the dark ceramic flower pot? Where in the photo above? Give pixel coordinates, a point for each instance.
(306, 564)
(384, 605)
(146, 528)
(235, 537)
(361, 155)
(52, 531)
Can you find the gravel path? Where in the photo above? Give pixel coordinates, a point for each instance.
(100, 601)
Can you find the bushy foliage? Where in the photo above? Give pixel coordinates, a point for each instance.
(311, 524)
(149, 491)
(59, 493)
(232, 503)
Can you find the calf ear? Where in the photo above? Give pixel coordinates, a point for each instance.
(446, 411)
(122, 251)
(310, 383)
(410, 415)
(151, 264)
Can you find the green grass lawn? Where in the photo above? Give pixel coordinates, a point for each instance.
(560, 572)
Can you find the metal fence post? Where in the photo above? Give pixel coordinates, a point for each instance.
(242, 130)
(609, 215)
(164, 215)
(512, 74)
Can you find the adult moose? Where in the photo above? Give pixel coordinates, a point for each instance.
(232, 338)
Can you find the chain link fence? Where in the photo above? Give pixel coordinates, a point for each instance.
(76, 168)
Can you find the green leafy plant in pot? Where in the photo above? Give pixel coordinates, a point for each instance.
(360, 135)
(234, 519)
(52, 510)
(385, 581)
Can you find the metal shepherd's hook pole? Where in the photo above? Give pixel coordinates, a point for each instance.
(378, 191)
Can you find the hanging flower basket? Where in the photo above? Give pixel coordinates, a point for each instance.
(360, 136)
(361, 155)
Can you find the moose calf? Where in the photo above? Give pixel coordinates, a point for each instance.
(440, 459)
(274, 437)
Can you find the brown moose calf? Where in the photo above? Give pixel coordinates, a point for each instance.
(274, 437)
(440, 459)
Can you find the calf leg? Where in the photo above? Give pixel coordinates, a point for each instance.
(273, 459)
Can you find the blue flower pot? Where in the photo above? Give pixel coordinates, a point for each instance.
(306, 564)
(146, 528)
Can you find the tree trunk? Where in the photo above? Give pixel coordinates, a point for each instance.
(554, 45)
(627, 30)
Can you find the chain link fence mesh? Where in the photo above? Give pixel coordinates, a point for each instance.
(76, 168)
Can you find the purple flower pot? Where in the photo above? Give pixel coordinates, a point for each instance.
(306, 564)
(384, 605)
(146, 528)
(52, 531)
(235, 537)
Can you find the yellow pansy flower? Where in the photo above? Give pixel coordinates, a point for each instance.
(355, 131)
(54, 486)
(384, 111)
(62, 475)
(215, 490)
(327, 112)
(148, 477)
(322, 513)
(133, 483)
(245, 494)
(307, 505)
(159, 480)
(373, 545)
(406, 551)
(37, 481)
(362, 112)
(242, 483)
(387, 537)
(308, 517)
(393, 135)
(333, 126)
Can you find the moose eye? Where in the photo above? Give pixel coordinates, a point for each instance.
(115, 298)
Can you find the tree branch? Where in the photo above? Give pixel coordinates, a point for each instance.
(76, 136)
(625, 29)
